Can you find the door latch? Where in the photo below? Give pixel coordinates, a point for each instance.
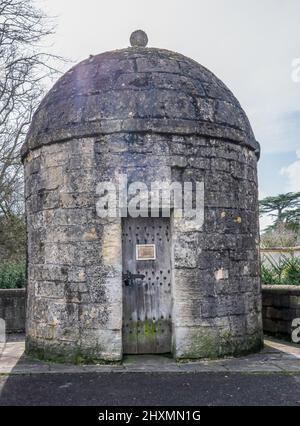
(129, 278)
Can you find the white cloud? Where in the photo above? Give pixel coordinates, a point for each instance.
(292, 173)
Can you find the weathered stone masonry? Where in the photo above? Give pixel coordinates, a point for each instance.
(151, 114)
(12, 309)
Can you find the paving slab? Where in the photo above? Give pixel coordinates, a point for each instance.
(150, 363)
(289, 366)
(276, 345)
(241, 366)
(202, 368)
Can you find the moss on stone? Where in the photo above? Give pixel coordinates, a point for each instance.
(219, 345)
(201, 346)
(58, 355)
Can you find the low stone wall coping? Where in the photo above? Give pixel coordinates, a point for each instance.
(283, 289)
(281, 305)
(12, 308)
(12, 291)
(280, 249)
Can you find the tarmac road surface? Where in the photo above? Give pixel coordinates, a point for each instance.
(146, 389)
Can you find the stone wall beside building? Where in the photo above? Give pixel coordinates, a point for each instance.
(281, 305)
(12, 309)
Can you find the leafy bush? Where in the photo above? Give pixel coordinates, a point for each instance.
(268, 275)
(12, 275)
(286, 270)
(291, 272)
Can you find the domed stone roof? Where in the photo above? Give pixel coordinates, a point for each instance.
(139, 89)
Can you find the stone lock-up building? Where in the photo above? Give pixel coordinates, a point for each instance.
(100, 287)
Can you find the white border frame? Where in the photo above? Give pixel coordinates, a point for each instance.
(143, 245)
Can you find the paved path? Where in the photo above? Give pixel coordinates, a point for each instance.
(277, 356)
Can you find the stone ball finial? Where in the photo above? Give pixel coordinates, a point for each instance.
(139, 39)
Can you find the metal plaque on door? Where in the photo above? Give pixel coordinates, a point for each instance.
(145, 252)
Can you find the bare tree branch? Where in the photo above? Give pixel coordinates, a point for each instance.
(24, 67)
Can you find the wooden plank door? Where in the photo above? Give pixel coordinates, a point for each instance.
(146, 245)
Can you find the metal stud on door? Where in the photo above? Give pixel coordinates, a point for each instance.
(146, 245)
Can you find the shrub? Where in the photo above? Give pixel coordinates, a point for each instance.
(286, 270)
(291, 272)
(268, 275)
(12, 275)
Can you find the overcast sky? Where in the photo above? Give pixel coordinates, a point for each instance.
(249, 44)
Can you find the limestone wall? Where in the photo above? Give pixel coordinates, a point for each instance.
(216, 287)
(74, 271)
(12, 309)
(281, 305)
